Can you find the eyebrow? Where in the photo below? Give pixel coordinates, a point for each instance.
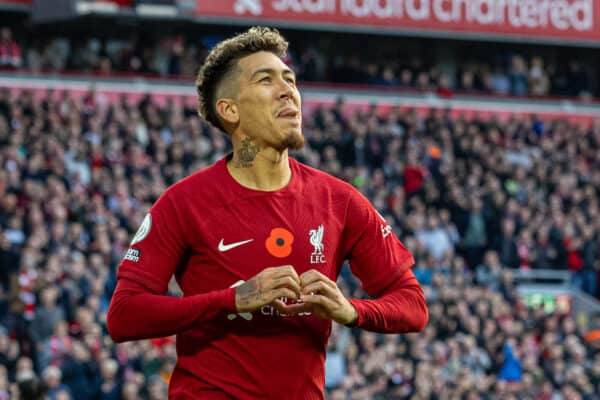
(271, 71)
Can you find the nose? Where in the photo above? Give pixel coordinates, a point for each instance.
(286, 90)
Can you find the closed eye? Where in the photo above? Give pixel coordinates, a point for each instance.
(266, 79)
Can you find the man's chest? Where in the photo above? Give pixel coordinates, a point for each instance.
(234, 243)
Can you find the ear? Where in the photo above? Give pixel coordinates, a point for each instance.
(227, 111)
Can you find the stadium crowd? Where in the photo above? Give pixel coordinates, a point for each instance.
(509, 72)
(473, 199)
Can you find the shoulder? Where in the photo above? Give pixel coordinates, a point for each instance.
(201, 183)
(312, 176)
(343, 199)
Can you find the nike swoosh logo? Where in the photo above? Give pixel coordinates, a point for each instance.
(227, 247)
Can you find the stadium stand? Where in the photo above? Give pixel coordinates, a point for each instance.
(472, 199)
(506, 72)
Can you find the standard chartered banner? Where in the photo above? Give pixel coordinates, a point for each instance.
(570, 20)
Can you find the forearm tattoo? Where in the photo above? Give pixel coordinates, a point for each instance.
(246, 154)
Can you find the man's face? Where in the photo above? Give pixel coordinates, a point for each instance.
(268, 102)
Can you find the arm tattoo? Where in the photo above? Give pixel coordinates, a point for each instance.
(248, 292)
(246, 154)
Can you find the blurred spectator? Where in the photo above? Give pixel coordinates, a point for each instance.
(434, 238)
(110, 388)
(518, 76)
(500, 82)
(46, 316)
(4, 383)
(488, 273)
(80, 372)
(544, 252)
(475, 237)
(539, 83)
(414, 175)
(157, 388)
(312, 65)
(587, 276)
(131, 391)
(467, 80)
(506, 245)
(31, 389)
(511, 366)
(10, 51)
(56, 389)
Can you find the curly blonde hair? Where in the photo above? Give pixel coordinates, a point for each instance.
(222, 61)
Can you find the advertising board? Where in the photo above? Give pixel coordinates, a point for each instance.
(552, 20)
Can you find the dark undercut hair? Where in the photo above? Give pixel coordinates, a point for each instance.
(222, 60)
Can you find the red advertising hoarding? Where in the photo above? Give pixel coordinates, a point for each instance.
(552, 20)
(25, 2)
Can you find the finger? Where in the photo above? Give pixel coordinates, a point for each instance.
(280, 292)
(320, 287)
(289, 282)
(291, 309)
(313, 275)
(320, 300)
(278, 268)
(281, 306)
(310, 274)
(284, 270)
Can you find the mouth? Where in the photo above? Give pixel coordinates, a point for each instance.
(288, 112)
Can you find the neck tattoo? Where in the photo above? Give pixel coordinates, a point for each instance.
(246, 154)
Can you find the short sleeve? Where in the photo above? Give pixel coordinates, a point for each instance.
(157, 249)
(376, 255)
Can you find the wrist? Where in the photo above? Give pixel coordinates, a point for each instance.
(352, 318)
(230, 303)
(239, 306)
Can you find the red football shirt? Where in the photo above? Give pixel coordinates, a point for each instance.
(212, 233)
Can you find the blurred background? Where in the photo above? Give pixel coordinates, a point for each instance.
(473, 126)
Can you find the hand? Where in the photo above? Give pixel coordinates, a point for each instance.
(325, 298)
(267, 287)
